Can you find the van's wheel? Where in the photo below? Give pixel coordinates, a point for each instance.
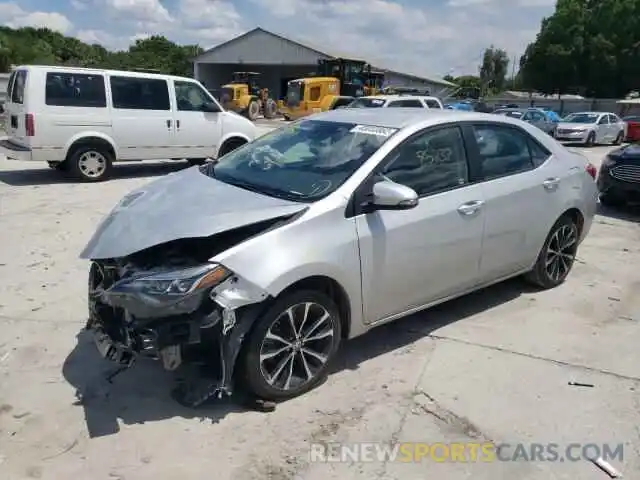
(230, 145)
(196, 161)
(90, 163)
(253, 110)
(290, 349)
(557, 256)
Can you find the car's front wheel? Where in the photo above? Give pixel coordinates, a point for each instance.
(290, 349)
(557, 256)
(591, 140)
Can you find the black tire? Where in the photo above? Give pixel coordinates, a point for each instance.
(230, 146)
(254, 371)
(591, 140)
(253, 110)
(79, 171)
(286, 117)
(619, 139)
(55, 165)
(543, 274)
(612, 200)
(196, 161)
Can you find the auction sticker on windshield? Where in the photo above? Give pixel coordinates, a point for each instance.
(372, 130)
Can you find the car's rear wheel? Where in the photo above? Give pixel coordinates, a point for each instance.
(90, 163)
(557, 256)
(619, 139)
(290, 349)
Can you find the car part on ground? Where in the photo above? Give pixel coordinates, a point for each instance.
(619, 176)
(244, 95)
(246, 274)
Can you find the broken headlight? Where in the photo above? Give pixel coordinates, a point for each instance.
(179, 282)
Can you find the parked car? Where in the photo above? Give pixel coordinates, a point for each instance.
(619, 176)
(633, 128)
(533, 116)
(590, 128)
(395, 101)
(83, 120)
(321, 230)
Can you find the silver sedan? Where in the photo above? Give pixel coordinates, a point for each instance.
(261, 264)
(591, 128)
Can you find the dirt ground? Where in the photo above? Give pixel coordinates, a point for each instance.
(492, 366)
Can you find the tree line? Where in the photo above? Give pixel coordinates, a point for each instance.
(43, 46)
(586, 47)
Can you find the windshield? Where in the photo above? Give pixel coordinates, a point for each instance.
(581, 118)
(367, 103)
(295, 92)
(302, 162)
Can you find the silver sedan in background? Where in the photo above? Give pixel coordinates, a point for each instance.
(591, 128)
(261, 264)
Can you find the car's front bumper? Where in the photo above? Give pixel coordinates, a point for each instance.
(14, 151)
(571, 137)
(620, 180)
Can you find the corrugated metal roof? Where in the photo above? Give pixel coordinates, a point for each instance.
(323, 53)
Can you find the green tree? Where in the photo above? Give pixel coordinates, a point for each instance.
(591, 47)
(493, 70)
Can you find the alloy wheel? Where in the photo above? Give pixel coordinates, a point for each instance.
(297, 346)
(561, 252)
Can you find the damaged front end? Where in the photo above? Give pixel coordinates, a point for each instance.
(187, 312)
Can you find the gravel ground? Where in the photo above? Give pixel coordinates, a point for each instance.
(494, 365)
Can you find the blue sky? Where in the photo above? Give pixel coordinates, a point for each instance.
(429, 37)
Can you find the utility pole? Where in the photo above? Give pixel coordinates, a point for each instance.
(513, 73)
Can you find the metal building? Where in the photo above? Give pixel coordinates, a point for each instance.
(279, 59)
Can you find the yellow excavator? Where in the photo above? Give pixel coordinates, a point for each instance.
(336, 83)
(374, 84)
(243, 95)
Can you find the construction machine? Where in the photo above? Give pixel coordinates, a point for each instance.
(244, 95)
(374, 84)
(336, 83)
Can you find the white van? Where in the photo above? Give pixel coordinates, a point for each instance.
(82, 120)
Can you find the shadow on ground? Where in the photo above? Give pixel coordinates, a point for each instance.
(142, 394)
(628, 213)
(49, 176)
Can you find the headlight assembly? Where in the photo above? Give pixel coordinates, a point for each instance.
(178, 282)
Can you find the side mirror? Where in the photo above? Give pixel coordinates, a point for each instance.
(210, 107)
(388, 195)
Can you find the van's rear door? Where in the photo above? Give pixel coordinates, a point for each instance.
(15, 111)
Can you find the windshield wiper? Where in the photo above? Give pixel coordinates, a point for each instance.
(264, 189)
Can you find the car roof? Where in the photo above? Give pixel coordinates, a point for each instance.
(404, 117)
(102, 71)
(589, 113)
(399, 97)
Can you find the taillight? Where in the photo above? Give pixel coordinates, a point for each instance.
(30, 125)
(592, 170)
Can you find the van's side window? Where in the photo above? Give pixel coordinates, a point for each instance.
(135, 93)
(75, 90)
(17, 94)
(190, 97)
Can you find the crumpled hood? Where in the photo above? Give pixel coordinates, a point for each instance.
(186, 204)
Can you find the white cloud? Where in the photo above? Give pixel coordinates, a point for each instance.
(431, 37)
(12, 15)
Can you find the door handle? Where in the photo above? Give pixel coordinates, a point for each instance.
(168, 123)
(470, 208)
(551, 183)
(178, 124)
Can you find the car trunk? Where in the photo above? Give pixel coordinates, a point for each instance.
(19, 122)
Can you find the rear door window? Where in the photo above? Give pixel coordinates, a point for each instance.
(75, 90)
(406, 104)
(432, 103)
(19, 83)
(134, 93)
